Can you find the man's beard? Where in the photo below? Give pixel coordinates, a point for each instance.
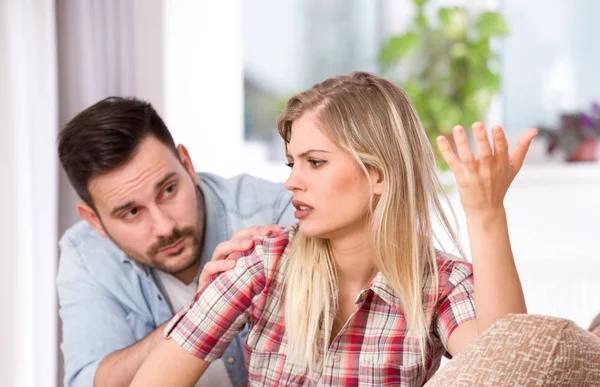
(196, 233)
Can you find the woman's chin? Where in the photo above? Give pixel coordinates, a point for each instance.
(308, 230)
(313, 231)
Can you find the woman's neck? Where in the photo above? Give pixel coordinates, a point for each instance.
(353, 259)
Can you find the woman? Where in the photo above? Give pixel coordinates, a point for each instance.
(355, 292)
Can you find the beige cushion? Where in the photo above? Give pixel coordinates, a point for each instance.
(526, 350)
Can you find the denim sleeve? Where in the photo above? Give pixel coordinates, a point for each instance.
(284, 210)
(93, 323)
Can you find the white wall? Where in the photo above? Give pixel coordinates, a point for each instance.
(203, 77)
(273, 29)
(551, 60)
(148, 52)
(553, 213)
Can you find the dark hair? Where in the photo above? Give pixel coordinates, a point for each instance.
(106, 136)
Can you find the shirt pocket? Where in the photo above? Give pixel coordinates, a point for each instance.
(265, 368)
(376, 374)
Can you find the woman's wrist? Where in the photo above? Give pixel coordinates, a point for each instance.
(484, 218)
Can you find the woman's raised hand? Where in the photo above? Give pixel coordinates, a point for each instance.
(483, 182)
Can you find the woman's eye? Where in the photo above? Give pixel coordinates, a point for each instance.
(316, 163)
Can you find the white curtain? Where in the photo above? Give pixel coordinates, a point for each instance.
(56, 58)
(28, 214)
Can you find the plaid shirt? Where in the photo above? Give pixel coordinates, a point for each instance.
(372, 349)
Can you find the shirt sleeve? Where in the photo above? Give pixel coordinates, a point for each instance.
(284, 210)
(94, 324)
(208, 325)
(456, 304)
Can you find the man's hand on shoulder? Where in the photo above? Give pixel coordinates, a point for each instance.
(242, 240)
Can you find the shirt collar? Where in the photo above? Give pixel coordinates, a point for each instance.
(381, 287)
(215, 224)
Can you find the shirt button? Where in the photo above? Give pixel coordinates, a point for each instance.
(159, 297)
(231, 360)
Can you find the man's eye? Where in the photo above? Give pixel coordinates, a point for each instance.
(170, 190)
(131, 213)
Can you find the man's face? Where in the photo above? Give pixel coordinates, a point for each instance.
(153, 209)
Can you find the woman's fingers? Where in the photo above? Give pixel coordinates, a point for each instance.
(484, 149)
(449, 156)
(518, 154)
(462, 145)
(500, 144)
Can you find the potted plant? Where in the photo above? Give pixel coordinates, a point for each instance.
(446, 67)
(576, 135)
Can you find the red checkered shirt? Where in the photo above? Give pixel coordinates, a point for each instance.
(373, 348)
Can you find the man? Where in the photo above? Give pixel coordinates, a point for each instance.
(151, 224)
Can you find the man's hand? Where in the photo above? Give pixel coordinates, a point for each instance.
(240, 241)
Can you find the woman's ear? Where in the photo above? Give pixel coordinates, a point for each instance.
(376, 176)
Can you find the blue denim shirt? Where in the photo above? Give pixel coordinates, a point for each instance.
(107, 301)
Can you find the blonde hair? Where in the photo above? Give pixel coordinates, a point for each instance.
(373, 120)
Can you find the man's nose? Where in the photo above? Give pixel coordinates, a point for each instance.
(163, 224)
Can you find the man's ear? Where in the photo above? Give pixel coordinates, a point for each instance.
(186, 160)
(89, 215)
(376, 176)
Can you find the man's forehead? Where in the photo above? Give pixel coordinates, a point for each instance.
(130, 184)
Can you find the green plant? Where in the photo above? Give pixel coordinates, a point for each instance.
(448, 69)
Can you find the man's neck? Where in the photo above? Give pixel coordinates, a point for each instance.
(189, 274)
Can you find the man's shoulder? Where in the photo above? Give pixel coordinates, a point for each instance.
(81, 241)
(242, 182)
(246, 195)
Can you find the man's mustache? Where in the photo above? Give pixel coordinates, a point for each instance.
(167, 241)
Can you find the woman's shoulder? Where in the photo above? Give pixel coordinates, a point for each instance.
(267, 251)
(452, 269)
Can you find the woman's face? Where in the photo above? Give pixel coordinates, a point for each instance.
(330, 191)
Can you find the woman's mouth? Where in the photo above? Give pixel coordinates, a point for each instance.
(302, 209)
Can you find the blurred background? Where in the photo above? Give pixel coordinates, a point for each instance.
(219, 72)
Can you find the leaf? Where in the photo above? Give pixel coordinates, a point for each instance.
(421, 20)
(459, 50)
(491, 24)
(444, 15)
(420, 3)
(490, 81)
(397, 47)
(454, 22)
